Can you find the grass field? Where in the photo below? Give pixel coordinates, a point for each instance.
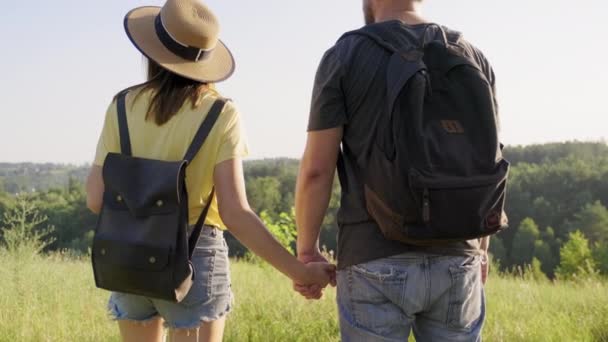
(54, 299)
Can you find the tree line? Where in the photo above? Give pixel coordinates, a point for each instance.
(556, 204)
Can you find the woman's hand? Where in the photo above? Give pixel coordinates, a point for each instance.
(313, 291)
(318, 273)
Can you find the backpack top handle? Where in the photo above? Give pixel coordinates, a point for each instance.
(444, 36)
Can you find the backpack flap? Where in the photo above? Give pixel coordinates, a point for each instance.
(143, 187)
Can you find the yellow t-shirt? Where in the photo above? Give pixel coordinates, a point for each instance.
(171, 141)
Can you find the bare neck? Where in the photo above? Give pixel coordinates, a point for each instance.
(409, 13)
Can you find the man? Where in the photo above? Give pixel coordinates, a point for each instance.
(386, 288)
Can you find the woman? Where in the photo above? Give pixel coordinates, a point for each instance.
(185, 58)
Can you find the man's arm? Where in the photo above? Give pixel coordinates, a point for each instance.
(318, 164)
(313, 193)
(313, 188)
(485, 261)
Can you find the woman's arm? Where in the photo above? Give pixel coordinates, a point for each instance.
(245, 225)
(95, 189)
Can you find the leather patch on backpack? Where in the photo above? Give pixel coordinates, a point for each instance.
(452, 126)
(493, 220)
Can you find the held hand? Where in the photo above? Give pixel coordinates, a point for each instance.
(319, 274)
(313, 291)
(317, 257)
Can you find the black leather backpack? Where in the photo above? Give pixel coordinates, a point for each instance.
(435, 172)
(141, 244)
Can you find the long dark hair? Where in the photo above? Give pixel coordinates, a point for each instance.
(171, 91)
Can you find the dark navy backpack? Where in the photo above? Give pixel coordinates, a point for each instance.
(435, 172)
(141, 244)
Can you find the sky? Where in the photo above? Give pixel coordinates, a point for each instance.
(62, 61)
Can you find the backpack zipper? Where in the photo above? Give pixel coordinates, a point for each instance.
(426, 206)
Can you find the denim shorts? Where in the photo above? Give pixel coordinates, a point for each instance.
(209, 299)
(439, 298)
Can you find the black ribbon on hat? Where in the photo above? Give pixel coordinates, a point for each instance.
(186, 52)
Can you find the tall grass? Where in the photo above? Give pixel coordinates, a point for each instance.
(54, 299)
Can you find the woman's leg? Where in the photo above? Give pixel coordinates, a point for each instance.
(207, 332)
(151, 331)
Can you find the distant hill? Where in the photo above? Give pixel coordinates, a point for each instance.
(551, 152)
(19, 177)
(28, 177)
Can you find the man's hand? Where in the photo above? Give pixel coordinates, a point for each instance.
(485, 267)
(313, 291)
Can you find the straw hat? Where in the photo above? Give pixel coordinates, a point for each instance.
(181, 37)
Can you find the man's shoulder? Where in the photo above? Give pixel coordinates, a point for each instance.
(473, 52)
(349, 43)
(471, 49)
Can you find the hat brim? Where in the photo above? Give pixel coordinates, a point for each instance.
(139, 25)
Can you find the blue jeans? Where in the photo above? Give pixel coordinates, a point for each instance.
(440, 297)
(209, 298)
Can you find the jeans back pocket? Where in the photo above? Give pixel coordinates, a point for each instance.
(465, 297)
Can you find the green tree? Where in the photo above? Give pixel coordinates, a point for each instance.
(600, 256)
(593, 222)
(283, 228)
(545, 257)
(522, 250)
(264, 194)
(6, 202)
(67, 211)
(548, 235)
(543, 210)
(576, 260)
(498, 250)
(24, 229)
(534, 271)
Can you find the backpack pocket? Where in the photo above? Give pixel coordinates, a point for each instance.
(459, 208)
(135, 269)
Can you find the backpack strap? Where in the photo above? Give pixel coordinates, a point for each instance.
(402, 65)
(198, 227)
(195, 146)
(123, 126)
(205, 129)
